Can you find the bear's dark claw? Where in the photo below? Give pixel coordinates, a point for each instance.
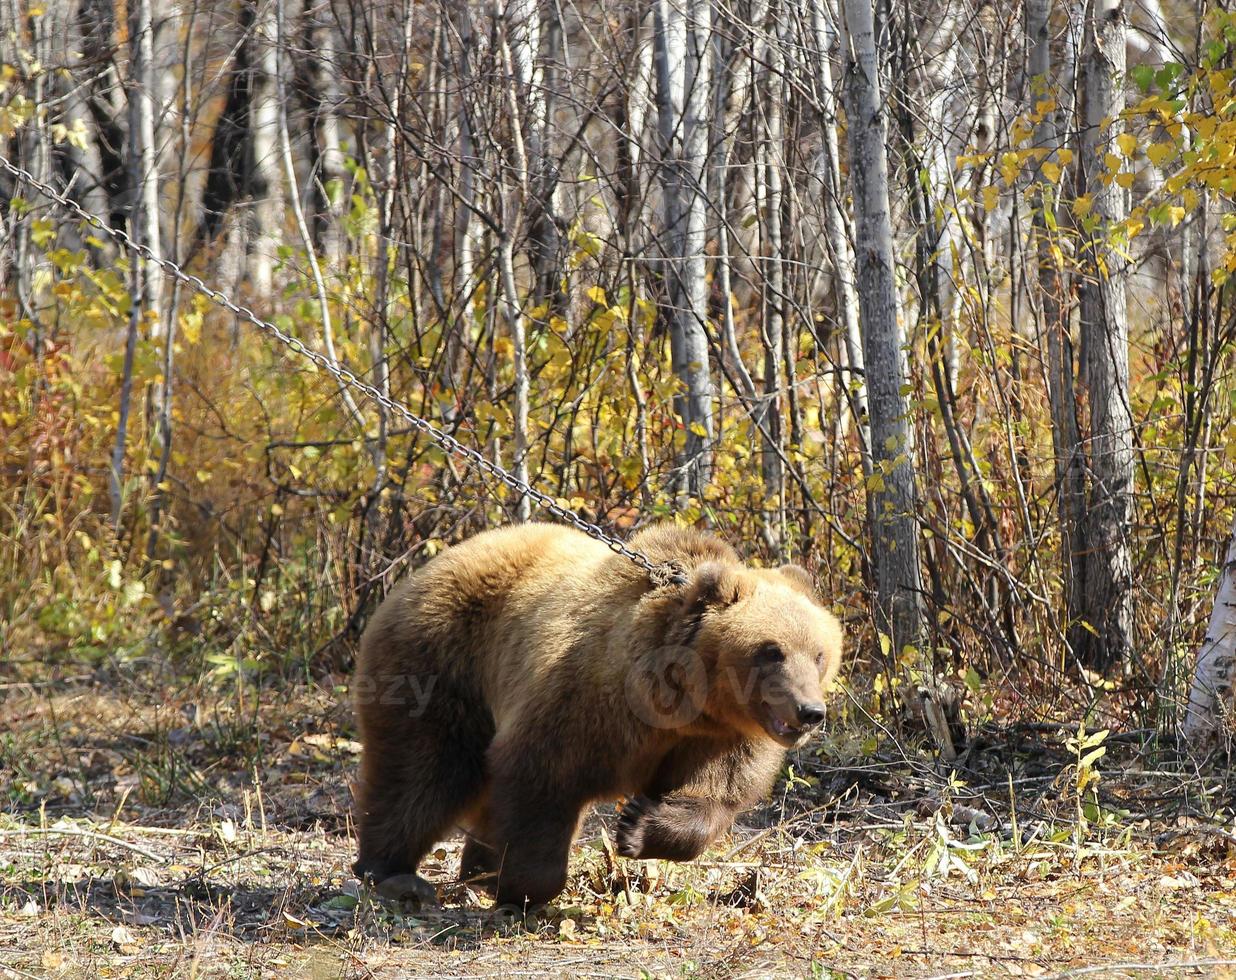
(631, 820)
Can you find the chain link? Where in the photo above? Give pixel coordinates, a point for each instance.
(662, 574)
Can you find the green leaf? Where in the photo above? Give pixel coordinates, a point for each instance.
(1166, 76)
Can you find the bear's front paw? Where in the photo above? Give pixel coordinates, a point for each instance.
(632, 822)
(407, 888)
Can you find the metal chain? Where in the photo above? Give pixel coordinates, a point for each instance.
(662, 574)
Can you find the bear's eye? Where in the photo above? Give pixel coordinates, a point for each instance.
(769, 653)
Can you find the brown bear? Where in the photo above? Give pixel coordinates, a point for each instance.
(530, 671)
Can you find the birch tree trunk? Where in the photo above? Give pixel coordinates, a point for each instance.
(265, 112)
(772, 331)
(724, 58)
(1101, 628)
(97, 23)
(894, 549)
(517, 51)
(934, 143)
(323, 70)
(164, 416)
(466, 237)
(1066, 440)
(524, 35)
(838, 234)
(1210, 697)
(145, 281)
(387, 255)
(144, 165)
(282, 133)
(680, 58)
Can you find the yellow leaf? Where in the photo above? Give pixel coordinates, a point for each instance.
(1127, 143)
(596, 294)
(1010, 163)
(1065, 156)
(1083, 204)
(1051, 171)
(1124, 179)
(1111, 162)
(991, 197)
(1160, 153)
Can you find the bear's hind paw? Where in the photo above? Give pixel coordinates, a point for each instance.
(631, 821)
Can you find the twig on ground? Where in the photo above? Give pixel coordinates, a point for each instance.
(1084, 971)
(86, 834)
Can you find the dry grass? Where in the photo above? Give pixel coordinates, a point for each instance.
(166, 831)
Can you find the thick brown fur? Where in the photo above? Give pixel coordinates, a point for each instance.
(517, 678)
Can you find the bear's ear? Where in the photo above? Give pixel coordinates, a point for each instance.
(800, 578)
(715, 583)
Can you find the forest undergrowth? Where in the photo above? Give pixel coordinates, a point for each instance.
(154, 827)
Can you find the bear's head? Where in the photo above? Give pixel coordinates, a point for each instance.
(770, 646)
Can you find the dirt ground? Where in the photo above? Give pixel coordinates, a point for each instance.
(167, 831)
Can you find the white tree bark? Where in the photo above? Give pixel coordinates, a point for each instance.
(772, 329)
(680, 57)
(939, 143)
(145, 279)
(298, 212)
(184, 96)
(1210, 696)
(524, 36)
(263, 227)
(467, 244)
(1069, 468)
(144, 165)
(325, 68)
(517, 54)
(838, 232)
(1107, 592)
(894, 532)
(386, 308)
(725, 68)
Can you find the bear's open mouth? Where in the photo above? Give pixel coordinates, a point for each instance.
(783, 731)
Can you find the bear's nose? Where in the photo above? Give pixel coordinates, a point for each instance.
(810, 715)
